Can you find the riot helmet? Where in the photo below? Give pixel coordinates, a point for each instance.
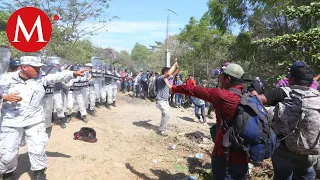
(75, 67)
(14, 64)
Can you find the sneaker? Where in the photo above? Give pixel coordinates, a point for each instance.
(163, 133)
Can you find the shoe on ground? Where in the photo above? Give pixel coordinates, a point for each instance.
(84, 119)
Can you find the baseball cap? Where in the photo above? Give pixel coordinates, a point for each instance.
(295, 65)
(233, 70)
(31, 61)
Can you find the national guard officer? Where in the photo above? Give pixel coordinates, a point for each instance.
(26, 116)
(92, 94)
(75, 94)
(116, 84)
(109, 79)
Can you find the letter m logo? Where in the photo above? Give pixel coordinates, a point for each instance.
(25, 33)
(29, 29)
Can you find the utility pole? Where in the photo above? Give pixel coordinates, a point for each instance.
(167, 63)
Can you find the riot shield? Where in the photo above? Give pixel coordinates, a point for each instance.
(53, 60)
(48, 70)
(97, 67)
(81, 82)
(48, 98)
(5, 55)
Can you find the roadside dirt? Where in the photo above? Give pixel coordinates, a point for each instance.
(128, 146)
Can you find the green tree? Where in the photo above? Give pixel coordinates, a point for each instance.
(140, 54)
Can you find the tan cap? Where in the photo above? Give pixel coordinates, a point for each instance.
(233, 70)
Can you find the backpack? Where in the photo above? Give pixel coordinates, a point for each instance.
(153, 88)
(86, 134)
(296, 120)
(251, 132)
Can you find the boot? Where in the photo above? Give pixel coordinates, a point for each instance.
(39, 175)
(97, 105)
(114, 104)
(84, 118)
(8, 176)
(62, 123)
(91, 112)
(108, 106)
(68, 118)
(78, 114)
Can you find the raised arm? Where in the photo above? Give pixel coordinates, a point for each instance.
(171, 70)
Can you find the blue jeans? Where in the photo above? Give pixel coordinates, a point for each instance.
(291, 166)
(178, 98)
(234, 171)
(196, 111)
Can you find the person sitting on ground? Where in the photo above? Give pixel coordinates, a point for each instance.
(226, 104)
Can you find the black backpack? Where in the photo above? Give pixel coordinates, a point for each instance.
(86, 134)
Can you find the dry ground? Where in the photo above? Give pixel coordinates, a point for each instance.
(127, 147)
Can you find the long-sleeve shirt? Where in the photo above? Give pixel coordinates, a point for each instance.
(29, 110)
(226, 104)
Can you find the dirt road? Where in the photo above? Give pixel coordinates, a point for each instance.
(127, 147)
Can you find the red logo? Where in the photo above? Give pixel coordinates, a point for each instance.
(29, 29)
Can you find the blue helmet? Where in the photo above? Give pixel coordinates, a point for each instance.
(14, 63)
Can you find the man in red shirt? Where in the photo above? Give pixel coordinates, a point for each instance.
(226, 103)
